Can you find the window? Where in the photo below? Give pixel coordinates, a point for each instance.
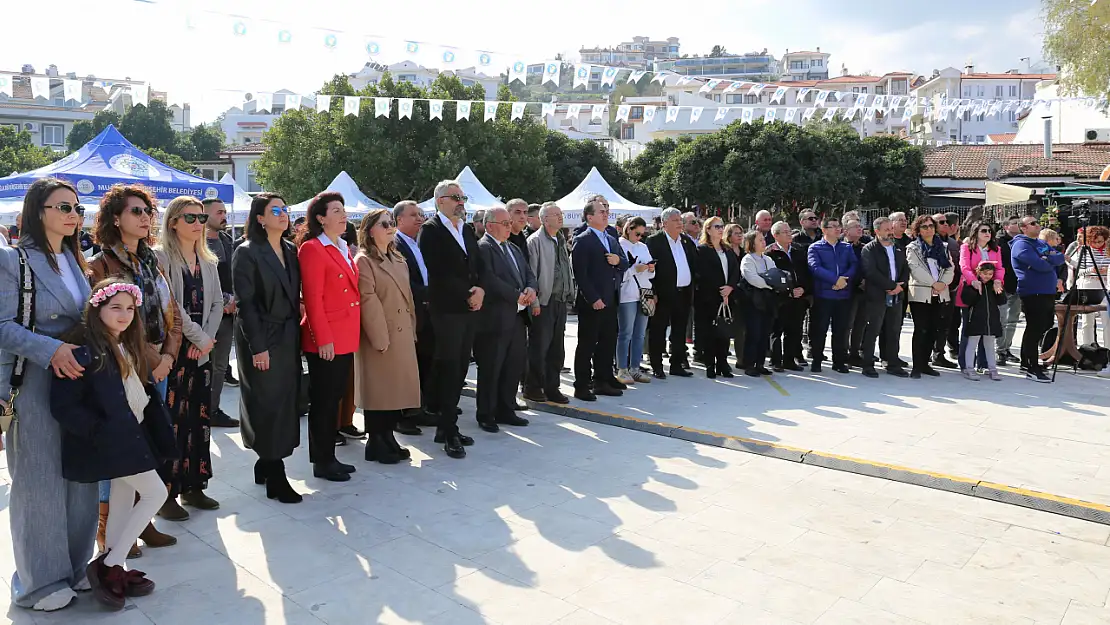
(247, 140)
(797, 64)
(967, 138)
(636, 113)
(1011, 116)
(14, 127)
(750, 99)
(734, 98)
(967, 116)
(53, 134)
(982, 91)
(855, 89)
(716, 97)
(252, 183)
(59, 101)
(1013, 91)
(998, 91)
(863, 89)
(628, 132)
(967, 92)
(880, 90)
(980, 139)
(981, 117)
(817, 63)
(952, 136)
(651, 48)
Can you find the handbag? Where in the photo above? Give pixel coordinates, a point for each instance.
(24, 316)
(723, 325)
(647, 298)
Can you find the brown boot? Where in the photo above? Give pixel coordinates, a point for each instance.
(101, 527)
(154, 539)
(134, 552)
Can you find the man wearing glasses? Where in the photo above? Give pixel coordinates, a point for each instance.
(1035, 264)
(948, 308)
(450, 252)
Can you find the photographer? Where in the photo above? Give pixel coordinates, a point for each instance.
(1085, 276)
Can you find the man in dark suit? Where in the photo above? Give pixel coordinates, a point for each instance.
(675, 256)
(500, 346)
(885, 272)
(408, 217)
(450, 253)
(599, 264)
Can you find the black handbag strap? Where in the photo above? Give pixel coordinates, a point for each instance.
(25, 313)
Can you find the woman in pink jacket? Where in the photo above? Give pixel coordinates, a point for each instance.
(978, 246)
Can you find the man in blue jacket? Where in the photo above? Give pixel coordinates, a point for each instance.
(1035, 264)
(833, 265)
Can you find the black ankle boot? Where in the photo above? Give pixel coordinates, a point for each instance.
(260, 470)
(379, 448)
(277, 485)
(404, 453)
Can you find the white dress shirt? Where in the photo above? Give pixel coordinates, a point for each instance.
(890, 258)
(680, 263)
(455, 232)
(415, 249)
(340, 245)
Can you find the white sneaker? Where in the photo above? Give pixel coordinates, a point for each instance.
(624, 377)
(641, 377)
(82, 585)
(1105, 373)
(971, 375)
(55, 600)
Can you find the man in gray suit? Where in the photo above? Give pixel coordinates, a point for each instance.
(499, 346)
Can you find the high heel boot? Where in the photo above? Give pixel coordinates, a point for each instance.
(260, 471)
(381, 449)
(277, 485)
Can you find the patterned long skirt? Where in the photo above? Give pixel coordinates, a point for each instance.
(189, 400)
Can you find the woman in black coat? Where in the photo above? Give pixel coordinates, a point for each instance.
(983, 319)
(716, 275)
(267, 282)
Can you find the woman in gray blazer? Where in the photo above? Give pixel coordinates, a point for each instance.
(53, 521)
(191, 270)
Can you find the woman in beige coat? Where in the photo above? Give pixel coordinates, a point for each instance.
(387, 377)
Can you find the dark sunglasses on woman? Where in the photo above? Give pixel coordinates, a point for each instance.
(192, 218)
(66, 208)
(139, 210)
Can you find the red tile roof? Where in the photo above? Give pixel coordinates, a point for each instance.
(969, 162)
(1007, 137)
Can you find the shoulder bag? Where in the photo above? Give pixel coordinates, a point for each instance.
(647, 298)
(24, 316)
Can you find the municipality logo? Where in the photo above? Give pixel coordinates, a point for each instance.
(127, 164)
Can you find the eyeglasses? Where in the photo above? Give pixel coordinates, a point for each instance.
(985, 231)
(278, 210)
(139, 210)
(386, 224)
(810, 218)
(458, 198)
(507, 223)
(192, 218)
(718, 226)
(927, 225)
(65, 208)
(942, 223)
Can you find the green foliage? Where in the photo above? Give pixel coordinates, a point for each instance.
(84, 131)
(149, 128)
(1077, 38)
(172, 160)
(572, 159)
(780, 167)
(18, 154)
(718, 50)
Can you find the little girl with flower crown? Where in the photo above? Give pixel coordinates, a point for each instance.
(115, 427)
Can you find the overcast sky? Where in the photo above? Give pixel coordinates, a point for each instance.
(207, 65)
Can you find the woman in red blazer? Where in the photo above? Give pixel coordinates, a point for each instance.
(330, 329)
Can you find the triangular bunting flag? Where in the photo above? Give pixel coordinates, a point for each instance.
(292, 101)
(879, 101)
(547, 109)
(598, 111)
(573, 111)
(518, 110)
(791, 114)
(381, 107)
(262, 101)
(435, 109)
(462, 111)
(830, 114)
(6, 85)
(660, 77)
(709, 86)
(649, 114)
(40, 87)
(682, 80)
(672, 113)
(756, 89)
(404, 108)
(491, 111)
(721, 113)
(896, 102)
(323, 103)
(636, 76)
(802, 93)
(907, 113)
(622, 112)
(746, 115)
(733, 86)
(609, 75)
(822, 97)
(551, 72)
(140, 94)
(808, 114)
(518, 71)
(769, 115)
(581, 75)
(351, 105)
(695, 113)
(71, 90)
(780, 93)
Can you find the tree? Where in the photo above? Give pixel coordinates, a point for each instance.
(718, 50)
(643, 171)
(84, 131)
(173, 160)
(1077, 38)
(892, 173)
(207, 140)
(18, 154)
(571, 160)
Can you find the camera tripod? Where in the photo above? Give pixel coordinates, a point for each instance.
(1072, 296)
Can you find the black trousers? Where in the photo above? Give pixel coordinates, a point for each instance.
(546, 348)
(673, 314)
(712, 348)
(454, 342)
(857, 322)
(325, 392)
(758, 338)
(955, 320)
(425, 357)
(885, 322)
(928, 320)
(832, 312)
(597, 344)
(1040, 311)
(380, 421)
(786, 333)
(947, 312)
(500, 355)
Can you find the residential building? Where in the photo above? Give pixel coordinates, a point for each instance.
(1073, 121)
(652, 49)
(804, 65)
(242, 159)
(408, 71)
(247, 123)
(50, 119)
(951, 85)
(583, 125)
(751, 66)
(612, 57)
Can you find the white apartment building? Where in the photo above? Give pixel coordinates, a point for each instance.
(950, 85)
(652, 49)
(247, 123)
(50, 119)
(410, 72)
(804, 65)
(1072, 121)
(583, 125)
(612, 57)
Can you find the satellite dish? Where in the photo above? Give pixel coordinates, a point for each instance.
(994, 169)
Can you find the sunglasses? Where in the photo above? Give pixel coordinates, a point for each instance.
(718, 227)
(985, 231)
(192, 218)
(278, 210)
(943, 223)
(139, 210)
(810, 218)
(458, 198)
(65, 208)
(387, 224)
(928, 225)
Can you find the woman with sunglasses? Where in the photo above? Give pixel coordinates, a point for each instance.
(267, 282)
(191, 269)
(330, 332)
(716, 276)
(631, 320)
(387, 372)
(124, 230)
(52, 521)
(979, 246)
(930, 273)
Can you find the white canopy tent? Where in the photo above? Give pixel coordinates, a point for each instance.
(357, 203)
(595, 184)
(241, 207)
(479, 198)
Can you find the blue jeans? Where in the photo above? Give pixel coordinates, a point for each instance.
(105, 487)
(981, 356)
(631, 324)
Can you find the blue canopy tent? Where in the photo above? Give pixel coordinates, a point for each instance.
(111, 159)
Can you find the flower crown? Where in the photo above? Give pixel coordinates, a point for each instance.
(112, 290)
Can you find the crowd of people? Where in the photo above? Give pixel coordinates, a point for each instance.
(117, 362)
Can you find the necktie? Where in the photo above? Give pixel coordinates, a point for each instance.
(512, 262)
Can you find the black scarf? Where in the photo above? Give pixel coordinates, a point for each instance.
(147, 278)
(938, 251)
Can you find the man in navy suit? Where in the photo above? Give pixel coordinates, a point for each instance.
(599, 264)
(408, 217)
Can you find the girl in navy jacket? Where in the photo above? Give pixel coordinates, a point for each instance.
(115, 427)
